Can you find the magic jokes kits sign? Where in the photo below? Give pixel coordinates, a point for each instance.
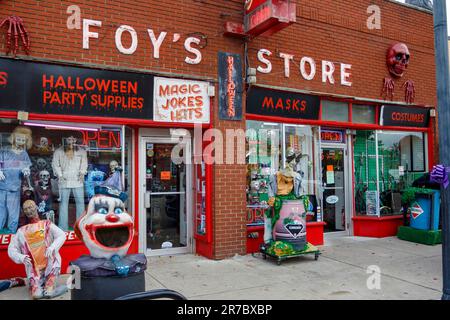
(47, 88)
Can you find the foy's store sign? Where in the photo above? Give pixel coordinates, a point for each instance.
(47, 88)
(308, 68)
(282, 104)
(181, 101)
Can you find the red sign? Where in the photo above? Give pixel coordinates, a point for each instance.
(269, 16)
(3, 78)
(165, 175)
(102, 139)
(332, 136)
(251, 5)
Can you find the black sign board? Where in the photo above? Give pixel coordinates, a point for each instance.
(55, 89)
(295, 229)
(398, 116)
(230, 86)
(282, 104)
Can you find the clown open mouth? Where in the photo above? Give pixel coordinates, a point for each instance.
(112, 236)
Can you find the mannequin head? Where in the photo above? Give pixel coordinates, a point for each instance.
(21, 138)
(72, 141)
(30, 210)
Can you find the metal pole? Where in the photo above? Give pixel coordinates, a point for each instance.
(443, 111)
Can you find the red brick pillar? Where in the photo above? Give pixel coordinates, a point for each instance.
(229, 199)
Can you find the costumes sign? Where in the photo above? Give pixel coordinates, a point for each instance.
(398, 116)
(179, 100)
(47, 88)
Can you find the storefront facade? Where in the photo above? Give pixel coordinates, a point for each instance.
(130, 82)
(127, 89)
(321, 90)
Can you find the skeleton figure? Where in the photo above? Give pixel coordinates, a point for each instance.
(44, 196)
(44, 179)
(397, 61)
(16, 28)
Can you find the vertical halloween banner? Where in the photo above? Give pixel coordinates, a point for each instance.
(230, 86)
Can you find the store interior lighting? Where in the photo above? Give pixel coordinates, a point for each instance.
(47, 125)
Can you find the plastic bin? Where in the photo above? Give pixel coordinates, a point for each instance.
(425, 211)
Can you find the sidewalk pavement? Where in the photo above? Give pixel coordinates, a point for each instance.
(408, 271)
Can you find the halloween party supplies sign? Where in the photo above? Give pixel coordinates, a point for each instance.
(68, 90)
(177, 100)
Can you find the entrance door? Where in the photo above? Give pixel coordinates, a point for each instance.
(334, 164)
(166, 197)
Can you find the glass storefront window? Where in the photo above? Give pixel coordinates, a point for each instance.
(58, 166)
(267, 145)
(263, 159)
(386, 163)
(334, 111)
(363, 114)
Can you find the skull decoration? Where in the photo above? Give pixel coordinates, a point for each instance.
(113, 166)
(43, 143)
(44, 177)
(106, 228)
(41, 164)
(397, 59)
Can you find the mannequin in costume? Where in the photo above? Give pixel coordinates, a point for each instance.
(70, 166)
(285, 185)
(36, 245)
(14, 165)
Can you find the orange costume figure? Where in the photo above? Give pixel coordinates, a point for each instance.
(36, 245)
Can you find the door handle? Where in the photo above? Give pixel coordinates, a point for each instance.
(147, 202)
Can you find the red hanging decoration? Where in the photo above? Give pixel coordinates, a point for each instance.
(16, 28)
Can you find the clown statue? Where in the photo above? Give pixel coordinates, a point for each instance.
(36, 245)
(14, 165)
(285, 225)
(107, 230)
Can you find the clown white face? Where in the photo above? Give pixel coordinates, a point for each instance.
(106, 228)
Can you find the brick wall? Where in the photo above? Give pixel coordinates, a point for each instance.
(337, 31)
(329, 30)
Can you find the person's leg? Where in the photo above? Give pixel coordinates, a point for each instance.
(64, 208)
(3, 212)
(13, 204)
(79, 200)
(5, 285)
